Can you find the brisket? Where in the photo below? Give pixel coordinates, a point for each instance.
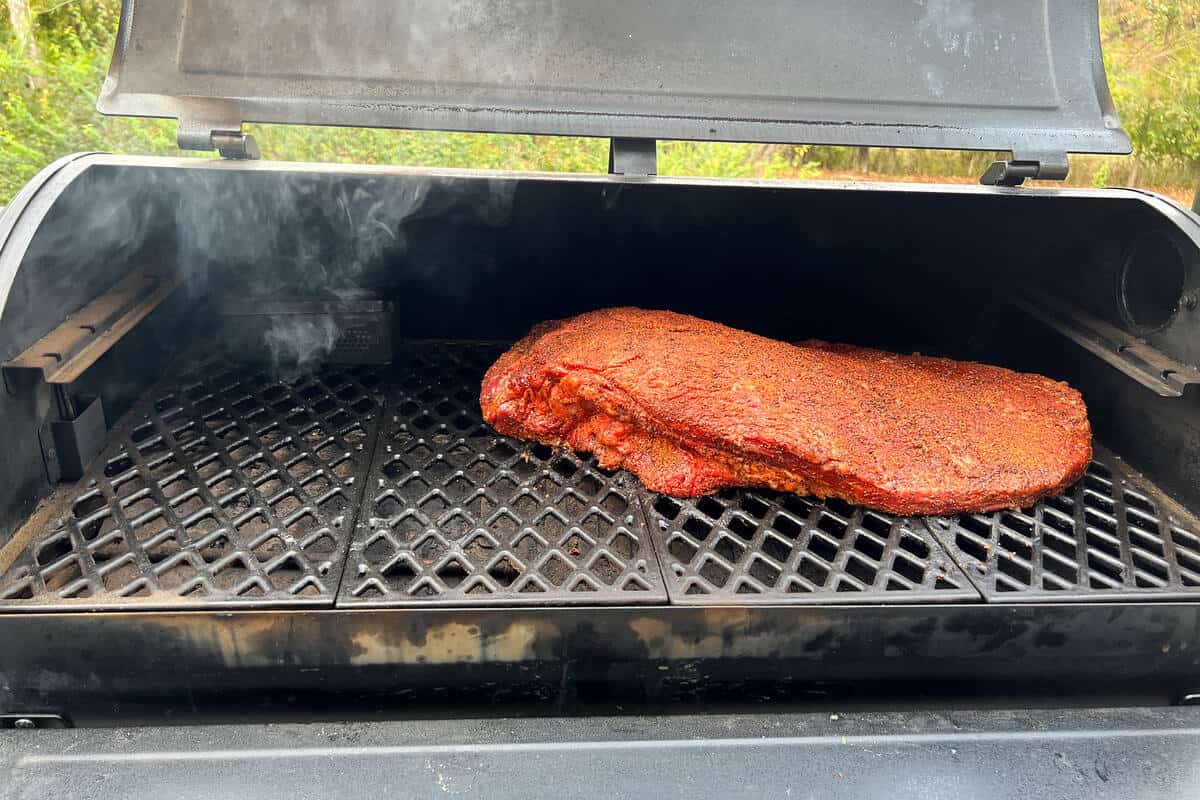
(692, 406)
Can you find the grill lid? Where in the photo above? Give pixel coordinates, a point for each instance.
(1024, 76)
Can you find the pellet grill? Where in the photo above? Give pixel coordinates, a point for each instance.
(246, 478)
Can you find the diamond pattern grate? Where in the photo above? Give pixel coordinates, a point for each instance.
(223, 487)
(749, 546)
(1111, 536)
(458, 514)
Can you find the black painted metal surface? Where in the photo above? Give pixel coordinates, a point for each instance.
(222, 487)
(457, 514)
(360, 324)
(1085, 754)
(1028, 77)
(742, 546)
(163, 667)
(1111, 536)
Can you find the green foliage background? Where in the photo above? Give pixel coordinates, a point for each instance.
(47, 109)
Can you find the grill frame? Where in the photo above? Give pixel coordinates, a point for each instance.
(142, 665)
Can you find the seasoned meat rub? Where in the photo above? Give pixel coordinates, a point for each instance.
(692, 406)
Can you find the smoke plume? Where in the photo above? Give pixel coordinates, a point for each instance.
(299, 344)
(250, 233)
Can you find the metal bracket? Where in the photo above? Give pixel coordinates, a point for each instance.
(632, 156)
(1148, 366)
(1026, 166)
(228, 140)
(29, 722)
(63, 354)
(78, 438)
(54, 473)
(71, 441)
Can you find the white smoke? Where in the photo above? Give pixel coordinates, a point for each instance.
(244, 232)
(298, 345)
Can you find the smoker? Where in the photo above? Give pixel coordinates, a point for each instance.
(246, 479)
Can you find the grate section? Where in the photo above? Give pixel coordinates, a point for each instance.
(764, 547)
(461, 515)
(224, 487)
(1111, 536)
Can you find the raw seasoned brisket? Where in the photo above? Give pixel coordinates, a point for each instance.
(692, 406)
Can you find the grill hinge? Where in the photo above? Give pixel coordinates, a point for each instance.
(1026, 166)
(632, 156)
(227, 139)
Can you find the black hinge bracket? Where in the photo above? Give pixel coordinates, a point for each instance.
(632, 156)
(1026, 166)
(227, 139)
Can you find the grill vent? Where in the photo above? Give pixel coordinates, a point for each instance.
(460, 515)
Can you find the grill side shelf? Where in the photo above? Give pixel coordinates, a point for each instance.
(223, 488)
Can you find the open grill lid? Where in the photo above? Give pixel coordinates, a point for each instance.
(1024, 76)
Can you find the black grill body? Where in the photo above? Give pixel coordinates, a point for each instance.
(354, 536)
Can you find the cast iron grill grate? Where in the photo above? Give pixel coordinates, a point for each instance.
(222, 488)
(1111, 536)
(457, 514)
(750, 546)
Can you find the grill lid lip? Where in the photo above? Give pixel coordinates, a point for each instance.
(1025, 76)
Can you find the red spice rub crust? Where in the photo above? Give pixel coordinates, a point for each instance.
(691, 406)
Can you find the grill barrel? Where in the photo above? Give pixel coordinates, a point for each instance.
(357, 527)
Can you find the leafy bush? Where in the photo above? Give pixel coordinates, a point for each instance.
(1152, 53)
(48, 107)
